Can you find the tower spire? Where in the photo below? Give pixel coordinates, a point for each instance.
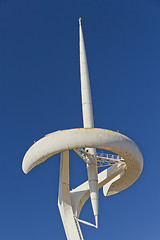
(88, 122)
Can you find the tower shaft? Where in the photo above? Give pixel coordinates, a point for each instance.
(88, 122)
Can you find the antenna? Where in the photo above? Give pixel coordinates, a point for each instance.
(88, 122)
(122, 168)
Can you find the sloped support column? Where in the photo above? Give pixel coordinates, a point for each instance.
(80, 194)
(70, 203)
(71, 226)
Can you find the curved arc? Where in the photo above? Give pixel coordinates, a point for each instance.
(63, 140)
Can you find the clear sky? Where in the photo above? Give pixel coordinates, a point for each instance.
(40, 93)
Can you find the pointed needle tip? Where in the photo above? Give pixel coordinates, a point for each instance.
(80, 19)
(96, 220)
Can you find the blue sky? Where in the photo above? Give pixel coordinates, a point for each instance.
(40, 93)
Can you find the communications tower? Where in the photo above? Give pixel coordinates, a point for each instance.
(122, 167)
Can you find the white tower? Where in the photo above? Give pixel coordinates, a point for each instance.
(88, 122)
(122, 170)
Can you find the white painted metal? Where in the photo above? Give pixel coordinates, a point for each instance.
(106, 161)
(88, 122)
(112, 141)
(70, 203)
(80, 194)
(85, 84)
(71, 226)
(114, 179)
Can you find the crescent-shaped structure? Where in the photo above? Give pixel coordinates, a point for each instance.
(123, 167)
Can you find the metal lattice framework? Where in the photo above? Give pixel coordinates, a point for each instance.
(106, 161)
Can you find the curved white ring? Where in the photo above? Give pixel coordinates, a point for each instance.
(112, 141)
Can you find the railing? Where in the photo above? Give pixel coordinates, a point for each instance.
(102, 161)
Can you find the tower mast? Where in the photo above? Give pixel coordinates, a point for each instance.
(128, 163)
(88, 122)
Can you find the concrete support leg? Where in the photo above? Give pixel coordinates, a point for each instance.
(71, 226)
